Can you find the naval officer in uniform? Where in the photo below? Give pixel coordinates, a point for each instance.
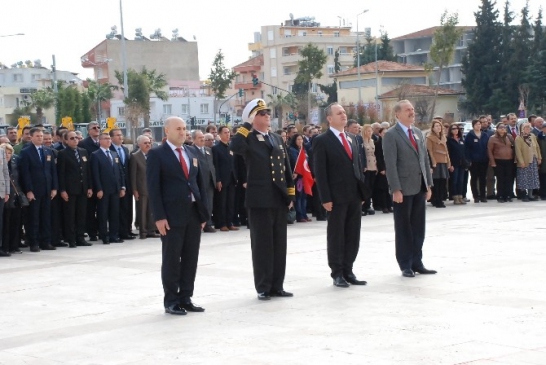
(269, 193)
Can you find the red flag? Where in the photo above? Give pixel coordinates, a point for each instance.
(302, 168)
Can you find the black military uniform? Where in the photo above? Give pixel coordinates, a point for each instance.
(91, 224)
(270, 189)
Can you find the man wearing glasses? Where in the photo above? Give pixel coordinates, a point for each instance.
(91, 144)
(269, 191)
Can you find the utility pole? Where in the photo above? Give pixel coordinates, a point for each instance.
(55, 87)
(358, 58)
(128, 123)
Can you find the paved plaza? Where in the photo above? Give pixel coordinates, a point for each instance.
(103, 304)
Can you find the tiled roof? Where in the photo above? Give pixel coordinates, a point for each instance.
(429, 32)
(383, 66)
(419, 90)
(254, 61)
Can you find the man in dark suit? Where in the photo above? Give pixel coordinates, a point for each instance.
(74, 187)
(91, 144)
(204, 154)
(224, 197)
(179, 208)
(40, 184)
(137, 169)
(408, 173)
(340, 183)
(57, 223)
(108, 182)
(125, 203)
(269, 191)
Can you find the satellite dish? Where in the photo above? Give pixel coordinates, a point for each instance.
(291, 16)
(175, 30)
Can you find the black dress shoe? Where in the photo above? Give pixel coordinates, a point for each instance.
(83, 243)
(105, 241)
(60, 244)
(93, 238)
(190, 307)
(152, 235)
(321, 219)
(4, 254)
(48, 247)
(119, 240)
(281, 293)
(126, 238)
(209, 229)
(483, 200)
(72, 245)
(175, 309)
(371, 211)
(34, 249)
(23, 245)
(408, 273)
(509, 200)
(15, 251)
(353, 280)
(264, 296)
(424, 270)
(340, 282)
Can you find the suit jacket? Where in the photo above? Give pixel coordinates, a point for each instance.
(206, 163)
(407, 169)
(137, 169)
(169, 190)
(125, 166)
(74, 176)
(89, 145)
(268, 172)
(360, 143)
(339, 179)
(107, 177)
(224, 164)
(37, 176)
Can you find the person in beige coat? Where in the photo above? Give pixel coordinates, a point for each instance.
(440, 163)
(4, 192)
(528, 159)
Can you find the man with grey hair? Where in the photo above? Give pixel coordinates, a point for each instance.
(385, 125)
(209, 140)
(204, 154)
(409, 176)
(375, 127)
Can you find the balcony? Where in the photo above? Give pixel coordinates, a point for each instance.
(246, 86)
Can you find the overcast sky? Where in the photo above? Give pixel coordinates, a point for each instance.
(70, 28)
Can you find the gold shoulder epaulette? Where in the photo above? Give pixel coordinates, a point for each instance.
(243, 131)
(291, 191)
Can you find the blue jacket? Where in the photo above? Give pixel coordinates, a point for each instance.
(37, 176)
(476, 148)
(456, 152)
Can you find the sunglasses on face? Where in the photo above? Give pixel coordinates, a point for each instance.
(72, 138)
(264, 113)
(94, 127)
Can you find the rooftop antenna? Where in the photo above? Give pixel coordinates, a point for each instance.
(113, 32)
(175, 35)
(138, 34)
(291, 18)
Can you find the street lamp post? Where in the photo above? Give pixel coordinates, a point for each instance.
(128, 123)
(358, 56)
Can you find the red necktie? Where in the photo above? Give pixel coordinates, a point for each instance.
(412, 140)
(514, 134)
(182, 161)
(346, 145)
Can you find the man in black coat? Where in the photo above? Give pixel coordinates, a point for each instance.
(340, 183)
(75, 188)
(91, 144)
(269, 191)
(125, 203)
(40, 184)
(224, 197)
(179, 208)
(108, 183)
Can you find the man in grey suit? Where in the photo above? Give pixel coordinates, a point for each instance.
(137, 169)
(410, 180)
(204, 154)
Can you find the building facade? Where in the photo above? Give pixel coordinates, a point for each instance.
(18, 83)
(414, 49)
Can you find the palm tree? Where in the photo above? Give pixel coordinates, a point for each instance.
(278, 102)
(41, 100)
(98, 93)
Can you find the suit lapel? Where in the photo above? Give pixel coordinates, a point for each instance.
(405, 137)
(174, 159)
(337, 144)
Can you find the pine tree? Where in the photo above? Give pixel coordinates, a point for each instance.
(481, 63)
(536, 71)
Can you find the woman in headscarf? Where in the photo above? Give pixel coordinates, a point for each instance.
(501, 157)
(528, 158)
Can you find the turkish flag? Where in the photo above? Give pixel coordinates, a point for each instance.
(302, 168)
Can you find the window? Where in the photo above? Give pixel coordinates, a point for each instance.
(342, 50)
(320, 33)
(336, 34)
(302, 33)
(330, 50)
(273, 53)
(286, 52)
(204, 108)
(184, 108)
(167, 108)
(36, 77)
(274, 90)
(314, 88)
(286, 70)
(273, 72)
(290, 88)
(331, 69)
(287, 33)
(270, 35)
(17, 77)
(121, 111)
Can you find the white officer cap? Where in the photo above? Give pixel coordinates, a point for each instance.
(253, 107)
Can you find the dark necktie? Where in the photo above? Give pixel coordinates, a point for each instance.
(41, 152)
(121, 155)
(109, 157)
(182, 161)
(346, 145)
(77, 155)
(412, 139)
